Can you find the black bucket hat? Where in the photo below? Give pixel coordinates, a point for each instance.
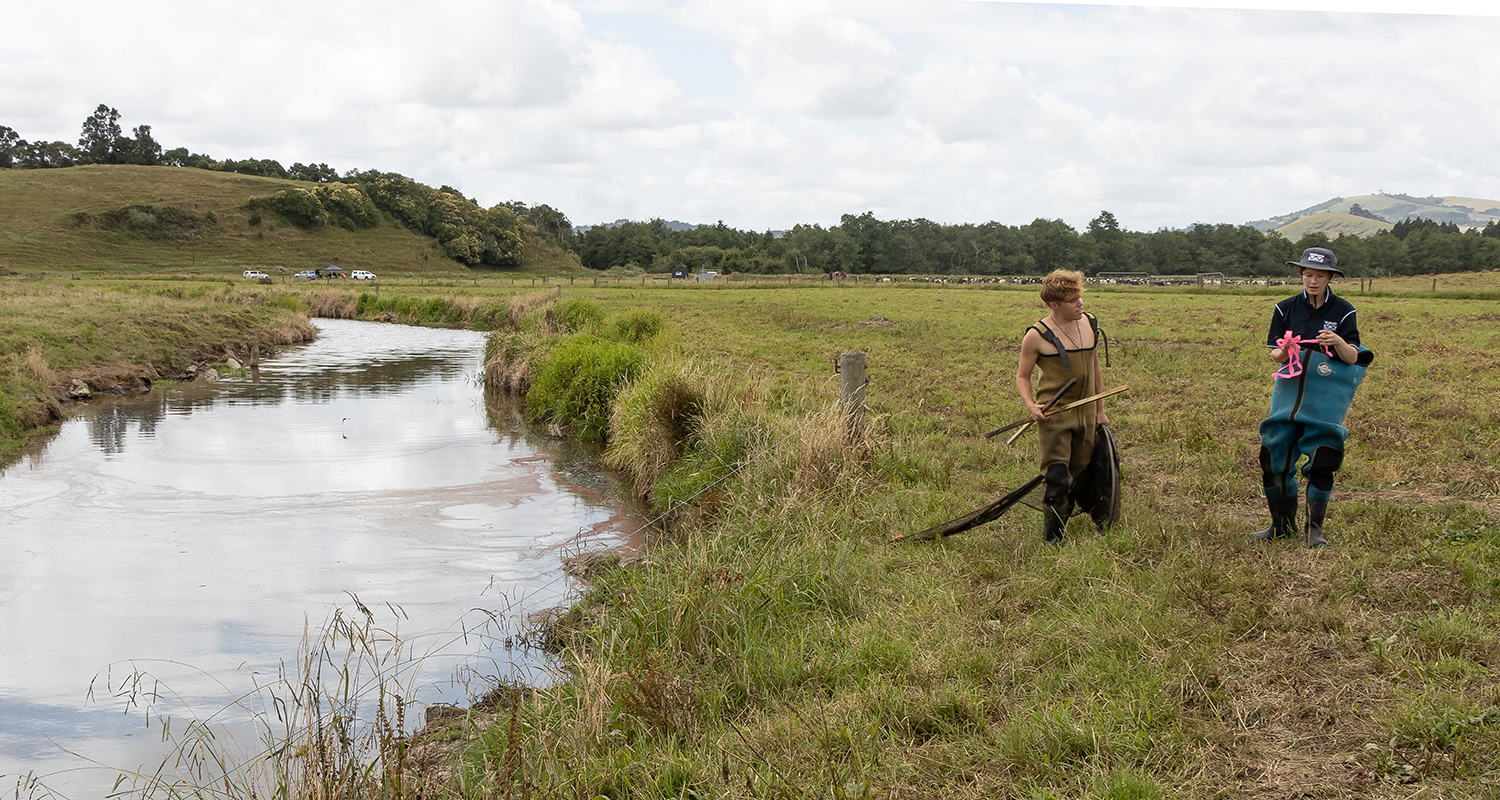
(1319, 258)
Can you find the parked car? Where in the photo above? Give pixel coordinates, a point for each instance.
(308, 274)
(362, 275)
(255, 274)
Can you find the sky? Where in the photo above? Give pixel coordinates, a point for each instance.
(772, 113)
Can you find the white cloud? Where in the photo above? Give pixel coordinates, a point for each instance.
(803, 56)
(769, 114)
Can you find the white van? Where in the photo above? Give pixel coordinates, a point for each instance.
(362, 275)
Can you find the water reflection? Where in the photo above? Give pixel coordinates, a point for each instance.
(194, 533)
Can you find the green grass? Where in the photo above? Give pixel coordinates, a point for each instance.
(776, 643)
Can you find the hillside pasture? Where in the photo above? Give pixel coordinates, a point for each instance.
(50, 223)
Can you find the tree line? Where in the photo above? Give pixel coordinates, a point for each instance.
(867, 245)
(858, 244)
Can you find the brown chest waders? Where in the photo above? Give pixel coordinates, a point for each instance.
(1066, 439)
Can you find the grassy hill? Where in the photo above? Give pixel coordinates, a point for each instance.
(57, 220)
(1333, 217)
(1332, 223)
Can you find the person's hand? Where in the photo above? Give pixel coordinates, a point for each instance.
(1278, 355)
(1330, 339)
(1101, 418)
(1035, 410)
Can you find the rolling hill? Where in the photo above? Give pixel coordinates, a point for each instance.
(123, 219)
(1380, 212)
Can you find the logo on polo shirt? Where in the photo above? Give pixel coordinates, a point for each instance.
(1329, 324)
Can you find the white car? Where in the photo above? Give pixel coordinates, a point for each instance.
(307, 274)
(255, 274)
(362, 275)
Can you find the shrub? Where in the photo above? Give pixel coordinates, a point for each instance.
(576, 384)
(576, 315)
(297, 206)
(634, 327)
(347, 206)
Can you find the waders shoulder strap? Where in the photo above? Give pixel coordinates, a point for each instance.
(1099, 334)
(1051, 338)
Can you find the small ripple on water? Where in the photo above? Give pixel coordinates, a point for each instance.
(203, 529)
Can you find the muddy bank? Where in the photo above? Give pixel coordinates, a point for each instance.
(67, 389)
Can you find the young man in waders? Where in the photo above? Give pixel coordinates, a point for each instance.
(1064, 345)
(1315, 337)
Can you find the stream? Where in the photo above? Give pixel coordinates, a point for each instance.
(163, 556)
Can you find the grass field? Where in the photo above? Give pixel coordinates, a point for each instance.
(777, 640)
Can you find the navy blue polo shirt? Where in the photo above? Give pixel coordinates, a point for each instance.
(1297, 315)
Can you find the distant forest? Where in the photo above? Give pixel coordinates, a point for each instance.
(858, 244)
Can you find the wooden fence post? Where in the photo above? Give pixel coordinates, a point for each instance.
(852, 394)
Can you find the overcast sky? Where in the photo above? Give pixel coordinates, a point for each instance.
(769, 113)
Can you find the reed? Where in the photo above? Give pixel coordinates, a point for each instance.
(332, 726)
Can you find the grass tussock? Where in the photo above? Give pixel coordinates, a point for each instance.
(654, 419)
(568, 360)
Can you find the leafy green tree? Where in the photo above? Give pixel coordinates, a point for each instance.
(545, 219)
(1432, 250)
(299, 206)
(1385, 255)
(47, 155)
(10, 142)
(1052, 243)
(1406, 227)
(314, 173)
(141, 149)
(180, 157)
(264, 167)
(1165, 252)
(99, 142)
(1110, 248)
(348, 206)
(870, 236)
(465, 232)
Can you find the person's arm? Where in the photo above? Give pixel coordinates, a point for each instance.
(1346, 352)
(1031, 345)
(1278, 330)
(1343, 340)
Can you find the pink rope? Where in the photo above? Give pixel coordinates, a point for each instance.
(1293, 346)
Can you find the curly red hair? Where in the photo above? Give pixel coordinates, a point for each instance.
(1062, 286)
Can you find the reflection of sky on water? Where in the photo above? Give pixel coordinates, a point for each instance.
(203, 528)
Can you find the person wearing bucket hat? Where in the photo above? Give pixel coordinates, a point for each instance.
(1316, 337)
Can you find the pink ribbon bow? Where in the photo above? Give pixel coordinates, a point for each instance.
(1293, 346)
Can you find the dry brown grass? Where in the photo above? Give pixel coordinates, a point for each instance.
(330, 304)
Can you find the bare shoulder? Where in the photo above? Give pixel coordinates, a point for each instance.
(1033, 342)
